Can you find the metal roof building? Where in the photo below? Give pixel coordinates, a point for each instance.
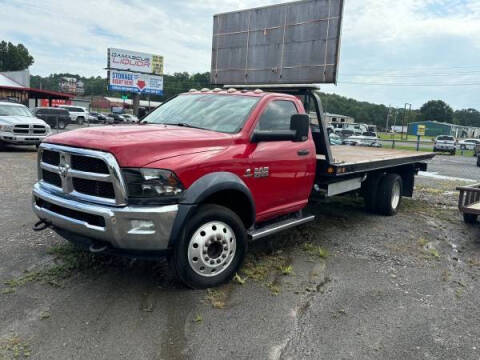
(11, 90)
(435, 128)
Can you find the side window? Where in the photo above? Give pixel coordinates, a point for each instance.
(277, 115)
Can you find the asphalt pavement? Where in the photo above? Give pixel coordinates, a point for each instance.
(350, 285)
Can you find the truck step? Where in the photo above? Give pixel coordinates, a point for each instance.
(275, 227)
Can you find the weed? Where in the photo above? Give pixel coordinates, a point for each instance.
(8, 290)
(459, 293)
(286, 270)
(14, 347)
(422, 241)
(198, 318)
(274, 288)
(238, 279)
(434, 252)
(314, 250)
(45, 315)
(217, 298)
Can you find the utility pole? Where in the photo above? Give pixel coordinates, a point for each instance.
(388, 116)
(405, 119)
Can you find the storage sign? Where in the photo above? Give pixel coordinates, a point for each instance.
(120, 59)
(135, 82)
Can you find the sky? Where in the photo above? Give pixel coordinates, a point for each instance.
(392, 52)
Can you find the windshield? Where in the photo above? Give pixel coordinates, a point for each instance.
(445, 138)
(14, 110)
(221, 113)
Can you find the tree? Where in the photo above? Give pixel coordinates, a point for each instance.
(436, 110)
(14, 57)
(467, 117)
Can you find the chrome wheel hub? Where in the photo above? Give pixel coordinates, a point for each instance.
(211, 248)
(395, 195)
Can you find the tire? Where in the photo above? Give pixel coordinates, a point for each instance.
(216, 262)
(80, 120)
(389, 195)
(61, 124)
(453, 152)
(370, 192)
(478, 161)
(470, 218)
(434, 149)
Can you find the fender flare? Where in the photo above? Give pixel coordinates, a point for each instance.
(200, 190)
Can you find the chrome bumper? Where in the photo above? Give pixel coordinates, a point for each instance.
(118, 230)
(22, 139)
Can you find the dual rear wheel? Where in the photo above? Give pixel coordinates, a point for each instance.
(383, 194)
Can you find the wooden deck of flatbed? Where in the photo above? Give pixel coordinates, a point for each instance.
(357, 158)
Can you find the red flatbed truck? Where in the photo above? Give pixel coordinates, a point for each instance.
(209, 170)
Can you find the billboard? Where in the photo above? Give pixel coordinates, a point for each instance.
(135, 82)
(135, 61)
(292, 43)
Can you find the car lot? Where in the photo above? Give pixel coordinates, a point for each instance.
(349, 286)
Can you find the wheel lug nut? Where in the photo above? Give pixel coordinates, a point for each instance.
(205, 252)
(212, 262)
(206, 258)
(225, 248)
(219, 261)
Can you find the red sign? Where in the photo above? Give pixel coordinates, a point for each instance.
(55, 102)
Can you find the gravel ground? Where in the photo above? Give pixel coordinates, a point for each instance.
(348, 286)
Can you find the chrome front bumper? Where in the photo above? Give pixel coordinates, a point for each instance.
(118, 229)
(22, 139)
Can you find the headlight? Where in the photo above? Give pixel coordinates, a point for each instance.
(6, 128)
(152, 183)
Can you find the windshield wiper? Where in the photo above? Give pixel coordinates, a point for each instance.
(185, 125)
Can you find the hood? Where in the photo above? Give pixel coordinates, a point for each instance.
(13, 120)
(139, 145)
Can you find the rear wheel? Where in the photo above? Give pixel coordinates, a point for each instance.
(80, 120)
(370, 192)
(211, 249)
(470, 218)
(478, 161)
(389, 194)
(61, 124)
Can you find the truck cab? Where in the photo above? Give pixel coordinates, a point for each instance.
(205, 173)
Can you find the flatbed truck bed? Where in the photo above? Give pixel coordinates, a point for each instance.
(348, 159)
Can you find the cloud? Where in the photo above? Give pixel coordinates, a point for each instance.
(381, 38)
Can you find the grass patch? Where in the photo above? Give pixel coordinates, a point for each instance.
(14, 347)
(68, 260)
(217, 298)
(314, 250)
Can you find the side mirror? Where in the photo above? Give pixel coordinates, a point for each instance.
(300, 124)
(276, 135)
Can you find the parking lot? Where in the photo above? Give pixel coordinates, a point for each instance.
(348, 286)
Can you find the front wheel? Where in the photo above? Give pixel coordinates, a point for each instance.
(211, 249)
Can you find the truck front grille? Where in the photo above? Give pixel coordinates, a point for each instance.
(94, 188)
(51, 178)
(89, 175)
(88, 164)
(28, 129)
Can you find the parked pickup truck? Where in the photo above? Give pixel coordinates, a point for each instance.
(444, 143)
(19, 127)
(206, 172)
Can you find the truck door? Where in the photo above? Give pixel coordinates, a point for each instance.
(282, 172)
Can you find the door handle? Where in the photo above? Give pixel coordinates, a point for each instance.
(303, 152)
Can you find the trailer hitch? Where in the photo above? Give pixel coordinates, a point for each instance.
(40, 225)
